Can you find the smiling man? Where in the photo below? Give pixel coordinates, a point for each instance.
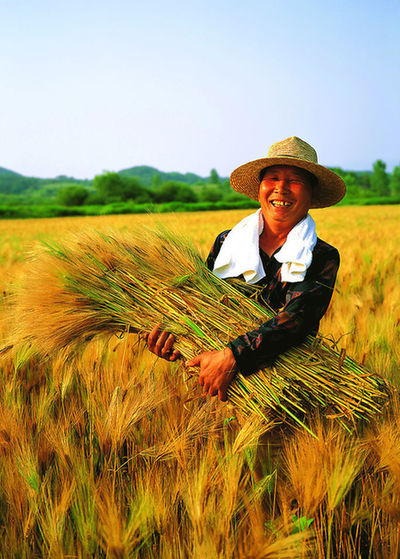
(276, 248)
(285, 195)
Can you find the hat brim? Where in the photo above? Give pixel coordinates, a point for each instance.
(329, 190)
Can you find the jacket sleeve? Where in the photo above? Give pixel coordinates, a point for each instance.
(215, 249)
(305, 304)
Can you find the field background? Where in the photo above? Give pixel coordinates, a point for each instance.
(105, 457)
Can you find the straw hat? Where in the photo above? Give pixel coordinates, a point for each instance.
(292, 151)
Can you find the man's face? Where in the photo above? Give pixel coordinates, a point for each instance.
(285, 194)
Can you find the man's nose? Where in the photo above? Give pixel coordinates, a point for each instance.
(281, 185)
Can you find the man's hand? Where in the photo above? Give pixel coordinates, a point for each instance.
(161, 343)
(217, 370)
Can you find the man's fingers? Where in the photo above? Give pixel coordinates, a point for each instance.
(206, 389)
(174, 355)
(167, 347)
(160, 344)
(222, 394)
(195, 362)
(209, 390)
(153, 336)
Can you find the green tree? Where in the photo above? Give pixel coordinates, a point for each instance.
(132, 189)
(395, 181)
(171, 191)
(351, 185)
(214, 177)
(187, 194)
(113, 187)
(109, 185)
(72, 195)
(210, 193)
(380, 179)
(227, 185)
(156, 181)
(364, 180)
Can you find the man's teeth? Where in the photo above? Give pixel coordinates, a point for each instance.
(280, 203)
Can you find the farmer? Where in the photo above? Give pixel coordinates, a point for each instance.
(276, 248)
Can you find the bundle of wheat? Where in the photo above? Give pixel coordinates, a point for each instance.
(104, 284)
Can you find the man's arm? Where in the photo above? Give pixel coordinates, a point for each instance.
(306, 303)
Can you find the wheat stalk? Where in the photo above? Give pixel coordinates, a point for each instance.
(98, 284)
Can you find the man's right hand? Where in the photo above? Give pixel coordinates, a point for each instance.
(161, 343)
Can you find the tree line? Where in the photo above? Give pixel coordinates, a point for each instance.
(111, 187)
(376, 183)
(137, 189)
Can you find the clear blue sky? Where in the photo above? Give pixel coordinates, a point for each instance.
(89, 85)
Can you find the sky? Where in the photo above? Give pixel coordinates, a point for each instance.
(94, 85)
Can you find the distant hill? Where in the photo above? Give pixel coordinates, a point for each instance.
(146, 174)
(4, 171)
(15, 183)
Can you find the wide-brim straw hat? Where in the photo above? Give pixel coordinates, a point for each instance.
(293, 151)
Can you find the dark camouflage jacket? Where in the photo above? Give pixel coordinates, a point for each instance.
(299, 306)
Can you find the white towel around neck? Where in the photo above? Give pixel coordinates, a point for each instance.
(296, 253)
(240, 252)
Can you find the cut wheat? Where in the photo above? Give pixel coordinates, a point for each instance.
(99, 284)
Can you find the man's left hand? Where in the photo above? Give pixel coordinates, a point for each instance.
(217, 370)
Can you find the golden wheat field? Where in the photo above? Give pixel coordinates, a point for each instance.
(113, 454)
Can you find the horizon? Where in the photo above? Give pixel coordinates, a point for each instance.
(159, 170)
